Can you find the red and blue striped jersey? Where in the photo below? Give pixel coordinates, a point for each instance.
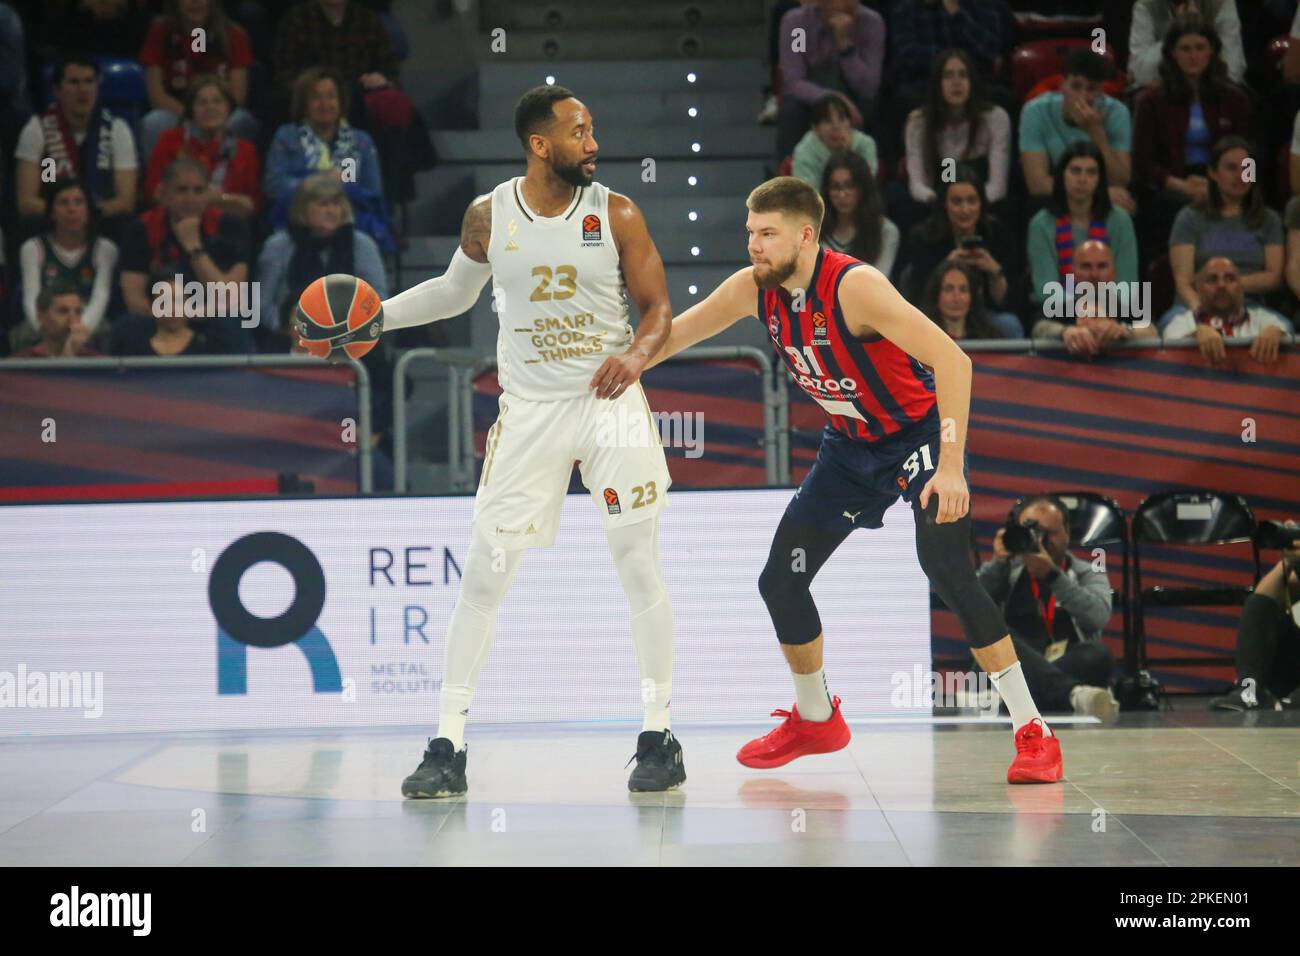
(870, 388)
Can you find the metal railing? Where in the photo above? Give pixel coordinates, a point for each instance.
(455, 361)
(121, 363)
(463, 367)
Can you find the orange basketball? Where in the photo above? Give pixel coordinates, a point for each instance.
(339, 316)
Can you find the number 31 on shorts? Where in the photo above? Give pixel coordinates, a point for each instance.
(913, 466)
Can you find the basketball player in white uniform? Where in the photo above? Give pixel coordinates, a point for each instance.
(564, 254)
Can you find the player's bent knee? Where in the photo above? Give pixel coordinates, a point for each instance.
(789, 603)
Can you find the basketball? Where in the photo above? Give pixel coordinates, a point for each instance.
(339, 316)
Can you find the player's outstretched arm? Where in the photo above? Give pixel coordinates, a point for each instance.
(730, 302)
(871, 304)
(456, 290)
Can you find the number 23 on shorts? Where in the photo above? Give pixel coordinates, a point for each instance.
(644, 495)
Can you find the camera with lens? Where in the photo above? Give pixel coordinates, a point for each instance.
(1021, 539)
(1283, 535)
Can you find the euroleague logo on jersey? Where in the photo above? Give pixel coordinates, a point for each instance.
(819, 329)
(611, 501)
(591, 228)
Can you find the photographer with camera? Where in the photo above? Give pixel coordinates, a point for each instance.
(1268, 635)
(1056, 606)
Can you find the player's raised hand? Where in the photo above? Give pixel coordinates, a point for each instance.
(617, 373)
(954, 497)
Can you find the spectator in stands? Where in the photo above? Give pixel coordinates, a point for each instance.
(63, 334)
(1080, 208)
(70, 253)
(954, 301)
(961, 228)
(1292, 271)
(102, 28)
(855, 221)
(320, 240)
(920, 29)
(172, 62)
(841, 54)
(84, 140)
(13, 66)
(334, 33)
(1268, 643)
(957, 123)
(1221, 313)
(832, 131)
(321, 139)
(360, 45)
(1234, 223)
(1079, 112)
(1291, 62)
(173, 334)
(1293, 156)
(206, 135)
(1056, 606)
(775, 14)
(1103, 315)
(1149, 34)
(185, 234)
(1179, 118)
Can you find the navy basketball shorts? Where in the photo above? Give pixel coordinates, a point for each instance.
(853, 483)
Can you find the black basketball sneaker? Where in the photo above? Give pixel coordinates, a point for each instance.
(441, 773)
(659, 764)
(1247, 695)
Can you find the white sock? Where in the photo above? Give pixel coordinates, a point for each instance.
(487, 577)
(652, 635)
(635, 549)
(1014, 692)
(811, 696)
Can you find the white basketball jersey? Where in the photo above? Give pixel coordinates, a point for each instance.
(558, 291)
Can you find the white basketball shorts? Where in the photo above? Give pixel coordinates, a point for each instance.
(530, 453)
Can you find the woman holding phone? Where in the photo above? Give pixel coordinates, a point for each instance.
(962, 230)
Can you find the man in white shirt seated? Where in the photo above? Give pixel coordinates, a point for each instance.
(1222, 314)
(76, 137)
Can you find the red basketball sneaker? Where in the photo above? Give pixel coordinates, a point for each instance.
(1038, 758)
(796, 738)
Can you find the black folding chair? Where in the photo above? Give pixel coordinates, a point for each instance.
(1193, 518)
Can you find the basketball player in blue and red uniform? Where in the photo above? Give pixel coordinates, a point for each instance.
(896, 389)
